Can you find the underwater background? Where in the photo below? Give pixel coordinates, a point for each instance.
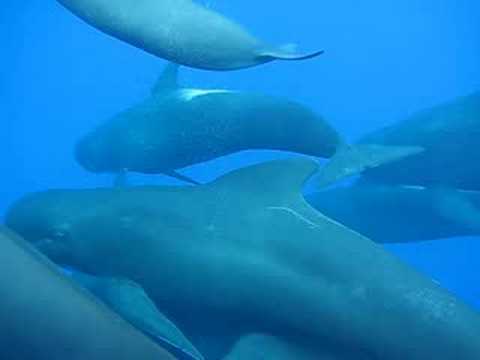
(383, 61)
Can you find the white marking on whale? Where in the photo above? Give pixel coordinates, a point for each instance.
(190, 94)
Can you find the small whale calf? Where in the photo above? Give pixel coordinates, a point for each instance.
(181, 31)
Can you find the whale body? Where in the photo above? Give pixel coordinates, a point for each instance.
(449, 134)
(247, 250)
(181, 31)
(177, 127)
(396, 214)
(44, 316)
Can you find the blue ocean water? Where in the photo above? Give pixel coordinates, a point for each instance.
(383, 61)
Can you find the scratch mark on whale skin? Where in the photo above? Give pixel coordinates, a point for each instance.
(295, 214)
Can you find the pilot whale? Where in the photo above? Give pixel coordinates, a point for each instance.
(45, 316)
(181, 31)
(449, 134)
(389, 213)
(248, 249)
(177, 127)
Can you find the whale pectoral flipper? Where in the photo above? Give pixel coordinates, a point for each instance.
(176, 175)
(351, 160)
(130, 301)
(287, 53)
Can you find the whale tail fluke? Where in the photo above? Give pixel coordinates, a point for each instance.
(351, 160)
(287, 52)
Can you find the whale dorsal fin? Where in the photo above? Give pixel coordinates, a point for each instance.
(281, 178)
(168, 79)
(286, 178)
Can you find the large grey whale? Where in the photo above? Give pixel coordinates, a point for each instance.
(248, 249)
